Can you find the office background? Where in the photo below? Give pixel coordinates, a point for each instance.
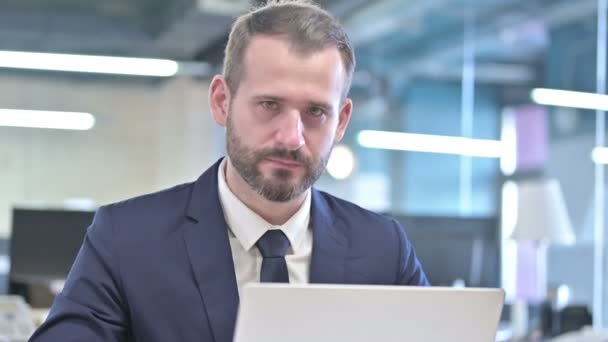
(457, 68)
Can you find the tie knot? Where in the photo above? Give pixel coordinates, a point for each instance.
(273, 244)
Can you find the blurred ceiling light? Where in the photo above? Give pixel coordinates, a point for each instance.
(46, 119)
(571, 99)
(232, 7)
(341, 162)
(431, 143)
(91, 64)
(599, 155)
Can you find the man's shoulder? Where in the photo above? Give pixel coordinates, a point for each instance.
(370, 234)
(345, 210)
(163, 195)
(171, 198)
(155, 203)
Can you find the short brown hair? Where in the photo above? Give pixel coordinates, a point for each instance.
(307, 27)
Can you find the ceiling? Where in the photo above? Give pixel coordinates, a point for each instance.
(393, 37)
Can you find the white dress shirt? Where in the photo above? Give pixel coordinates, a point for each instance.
(245, 228)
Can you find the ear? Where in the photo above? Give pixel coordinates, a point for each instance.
(219, 99)
(343, 119)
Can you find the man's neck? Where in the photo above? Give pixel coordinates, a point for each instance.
(275, 213)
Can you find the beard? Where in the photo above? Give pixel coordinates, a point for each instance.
(282, 185)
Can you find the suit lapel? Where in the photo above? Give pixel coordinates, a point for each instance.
(208, 247)
(330, 245)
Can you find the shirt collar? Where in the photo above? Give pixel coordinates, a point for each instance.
(248, 227)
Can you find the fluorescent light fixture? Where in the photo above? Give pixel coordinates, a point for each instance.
(46, 119)
(431, 143)
(599, 155)
(571, 99)
(92, 64)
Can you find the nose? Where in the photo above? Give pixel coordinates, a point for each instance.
(290, 132)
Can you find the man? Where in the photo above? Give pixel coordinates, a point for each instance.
(169, 266)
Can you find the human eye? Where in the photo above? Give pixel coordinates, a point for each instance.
(316, 111)
(268, 105)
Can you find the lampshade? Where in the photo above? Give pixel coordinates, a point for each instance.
(542, 214)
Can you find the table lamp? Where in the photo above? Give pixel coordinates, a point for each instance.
(542, 219)
(541, 213)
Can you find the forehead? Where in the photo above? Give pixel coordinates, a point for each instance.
(272, 66)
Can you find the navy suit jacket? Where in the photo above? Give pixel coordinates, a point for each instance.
(158, 268)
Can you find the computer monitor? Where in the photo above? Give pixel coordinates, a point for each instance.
(456, 248)
(45, 242)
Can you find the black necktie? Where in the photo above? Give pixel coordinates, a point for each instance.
(273, 245)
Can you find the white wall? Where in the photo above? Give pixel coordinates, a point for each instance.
(189, 140)
(148, 136)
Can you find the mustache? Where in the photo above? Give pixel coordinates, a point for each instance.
(295, 156)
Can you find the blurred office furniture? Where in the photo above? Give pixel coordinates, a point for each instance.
(561, 321)
(454, 250)
(43, 246)
(586, 334)
(572, 266)
(16, 322)
(573, 318)
(542, 219)
(559, 315)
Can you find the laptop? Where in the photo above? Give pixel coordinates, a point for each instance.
(362, 313)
